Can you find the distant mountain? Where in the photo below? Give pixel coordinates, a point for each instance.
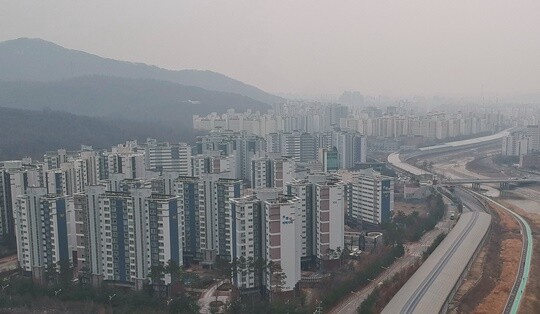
(32, 133)
(38, 60)
(130, 99)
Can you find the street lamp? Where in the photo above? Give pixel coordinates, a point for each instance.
(4, 288)
(110, 299)
(319, 308)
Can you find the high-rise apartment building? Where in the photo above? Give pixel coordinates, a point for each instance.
(532, 132)
(163, 156)
(329, 158)
(282, 172)
(304, 191)
(166, 228)
(282, 245)
(129, 232)
(226, 190)
(241, 146)
(329, 219)
(246, 238)
(6, 206)
(372, 197)
(516, 144)
(351, 147)
(41, 231)
(191, 195)
(117, 239)
(261, 173)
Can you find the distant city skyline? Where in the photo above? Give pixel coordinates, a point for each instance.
(308, 47)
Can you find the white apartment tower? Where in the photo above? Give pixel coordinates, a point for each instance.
(165, 220)
(246, 239)
(303, 190)
(163, 156)
(516, 144)
(283, 241)
(192, 203)
(42, 230)
(261, 173)
(282, 173)
(330, 219)
(28, 229)
(372, 197)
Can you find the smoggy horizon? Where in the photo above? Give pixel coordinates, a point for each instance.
(460, 48)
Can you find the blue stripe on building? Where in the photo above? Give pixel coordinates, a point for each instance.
(61, 222)
(119, 163)
(192, 222)
(173, 227)
(233, 229)
(385, 200)
(58, 183)
(133, 168)
(121, 240)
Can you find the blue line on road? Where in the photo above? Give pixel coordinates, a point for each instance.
(528, 256)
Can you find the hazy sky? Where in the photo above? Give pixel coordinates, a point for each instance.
(307, 46)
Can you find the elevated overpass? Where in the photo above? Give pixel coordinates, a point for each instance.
(504, 183)
(399, 161)
(491, 180)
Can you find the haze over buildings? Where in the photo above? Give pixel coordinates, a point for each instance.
(276, 156)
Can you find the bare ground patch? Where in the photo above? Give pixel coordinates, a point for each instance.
(502, 256)
(531, 300)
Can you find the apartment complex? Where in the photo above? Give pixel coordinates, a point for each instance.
(112, 215)
(315, 117)
(522, 142)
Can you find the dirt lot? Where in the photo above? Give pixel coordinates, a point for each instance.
(485, 167)
(409, 207)
(491, 291)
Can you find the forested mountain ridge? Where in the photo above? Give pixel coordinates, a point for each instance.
(31, 133)
(130, 99)
(26, 59)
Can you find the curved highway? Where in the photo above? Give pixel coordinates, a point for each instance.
(416, 295)
(473, 203)
(432, 286)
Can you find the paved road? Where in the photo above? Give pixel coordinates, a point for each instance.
(413, 253)
(522, 277)
(8, 263)
(209, 296)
